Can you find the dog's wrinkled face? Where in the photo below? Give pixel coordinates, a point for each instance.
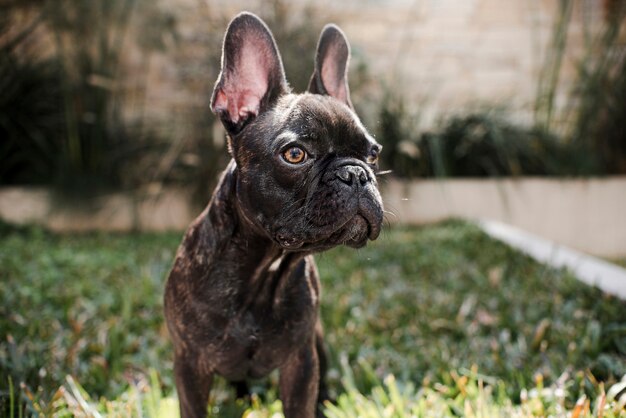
(305, 163)
(309, 180)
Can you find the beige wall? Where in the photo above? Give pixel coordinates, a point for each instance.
(585, 214)
(447, 56)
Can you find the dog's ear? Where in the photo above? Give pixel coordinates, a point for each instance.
(252, 75)
(330, 76)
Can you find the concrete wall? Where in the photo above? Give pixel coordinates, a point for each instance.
(451, 56)
(166, 210)
(588, 215)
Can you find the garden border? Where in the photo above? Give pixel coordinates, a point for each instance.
(588, 269)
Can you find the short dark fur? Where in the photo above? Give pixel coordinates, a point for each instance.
(242, 298)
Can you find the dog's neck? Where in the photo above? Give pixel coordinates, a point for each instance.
(228, 231)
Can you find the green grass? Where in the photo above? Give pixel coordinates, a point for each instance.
(432, 321)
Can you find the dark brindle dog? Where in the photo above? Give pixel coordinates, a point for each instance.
(243, 296)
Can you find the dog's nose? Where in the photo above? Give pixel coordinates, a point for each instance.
(351, 174)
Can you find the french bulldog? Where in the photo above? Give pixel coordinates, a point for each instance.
(243, 295)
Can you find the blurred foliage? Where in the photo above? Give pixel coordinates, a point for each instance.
(63, 120)
(78, 135)
(484, 146)
(418, 303)
(398, 132)
(31, 116)
(61, 114)
(76, 321)
(475, 145)
(549, 75)
(594, 119)
(484, 143)
(296, 36)
(89, 41)
(599, 113)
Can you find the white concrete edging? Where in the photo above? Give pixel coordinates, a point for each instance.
(591, 270)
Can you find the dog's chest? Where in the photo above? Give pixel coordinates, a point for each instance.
(265, 330)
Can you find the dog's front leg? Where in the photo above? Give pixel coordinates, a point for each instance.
(299, 380)
(193, 387)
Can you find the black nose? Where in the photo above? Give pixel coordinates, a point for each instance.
(352, 175)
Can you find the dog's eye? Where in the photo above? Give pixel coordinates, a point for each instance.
(372, 158)
(294, 155)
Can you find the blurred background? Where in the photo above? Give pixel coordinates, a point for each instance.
(102, 97)
(114, 94)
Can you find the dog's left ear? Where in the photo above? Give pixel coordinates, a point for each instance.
(330, 76)
(252, 75)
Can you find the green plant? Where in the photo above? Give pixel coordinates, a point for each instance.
(598, 121)
(62, 115)
(486, 145)
(548, 81)
(94, 141)
(397, 131)
(593, 123)
(587, 137)
(475, 145)
(31, 102)
(89, 40)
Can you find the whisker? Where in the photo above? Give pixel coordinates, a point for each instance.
(388, 212)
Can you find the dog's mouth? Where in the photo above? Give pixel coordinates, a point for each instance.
(353, 232)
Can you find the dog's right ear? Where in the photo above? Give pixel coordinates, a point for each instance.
(252, 75)
(330, 76)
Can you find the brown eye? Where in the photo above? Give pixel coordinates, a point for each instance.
(372, 158)
(294, 155)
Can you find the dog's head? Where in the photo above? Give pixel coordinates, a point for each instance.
(305, 163)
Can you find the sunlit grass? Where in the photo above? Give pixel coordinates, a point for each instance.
(470, 395)
(433, 321)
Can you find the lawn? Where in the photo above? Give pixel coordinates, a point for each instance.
(432, 321)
